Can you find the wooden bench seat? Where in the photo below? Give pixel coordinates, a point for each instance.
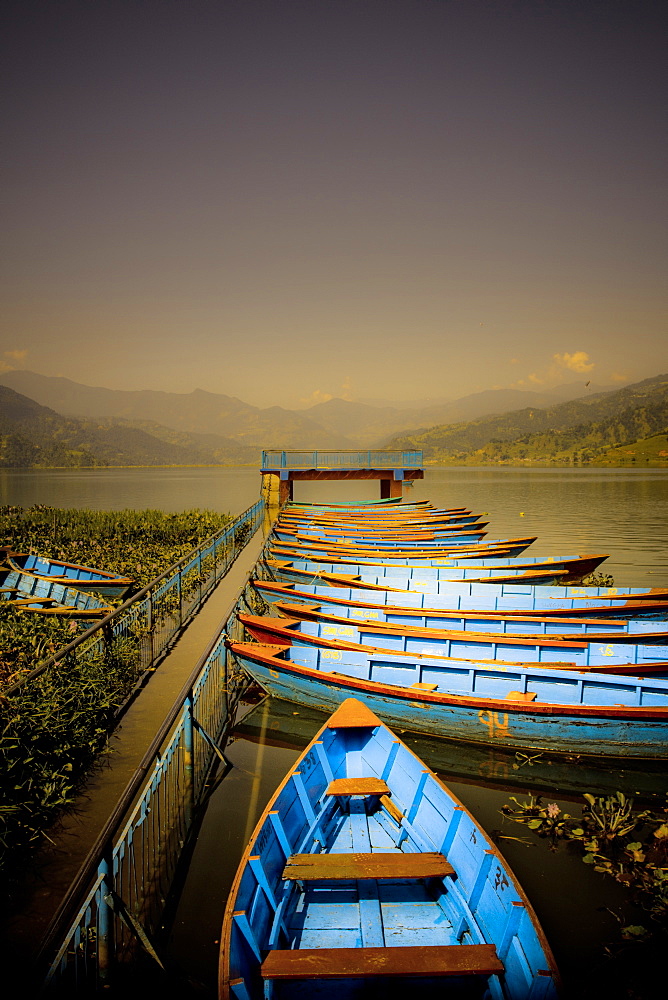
(314, 867)
(36, 600)
(420, 960)
(521, 695)
(358, 786)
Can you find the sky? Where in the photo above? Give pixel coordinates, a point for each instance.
(289, 200)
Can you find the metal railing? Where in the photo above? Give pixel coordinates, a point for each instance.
(132, 870)
(115, 904)
(152, 617)
(276, 460)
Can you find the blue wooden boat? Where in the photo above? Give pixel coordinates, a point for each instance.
(67, 574)
(527, 707)
(360, 523)
(280, 723)
(568, 654)
(508, 548)
(45, 597)
(399, 538)
(421, 582)
(614, 630)
(458, 548)
(557, 603)
(400, 577)
(554, 569)
(363, 505)
(470, 557)
(365, 876)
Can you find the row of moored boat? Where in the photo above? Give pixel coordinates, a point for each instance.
(365, 873)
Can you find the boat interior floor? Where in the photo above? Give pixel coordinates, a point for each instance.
(368, 913)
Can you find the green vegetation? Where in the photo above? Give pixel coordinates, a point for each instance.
(626, 844)
(36, 437)
(52, 731)
(53, 728)
(651, 452)
(578, 432)
(137, 543)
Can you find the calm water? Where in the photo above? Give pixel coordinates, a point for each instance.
(621, 512)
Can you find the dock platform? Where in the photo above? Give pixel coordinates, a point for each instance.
(281, 469)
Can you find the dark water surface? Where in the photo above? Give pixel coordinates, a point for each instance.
(579, 908)
(623, 512)
(620, 512)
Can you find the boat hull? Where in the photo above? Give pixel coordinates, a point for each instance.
(614, 630)
(330, 880)
(483, 599)
(619, 658)
(73, 575)
(275, 722)
(48, 598)
(599, 731)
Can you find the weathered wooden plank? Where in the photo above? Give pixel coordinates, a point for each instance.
(312, 867)
(338, 963)
(394, 810)
(353, 714)
(358, 786)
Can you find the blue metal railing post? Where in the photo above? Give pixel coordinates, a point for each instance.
(151, 624)
(179, 587)
(188, 750)
(105, 924)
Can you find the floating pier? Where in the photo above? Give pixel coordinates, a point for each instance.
(281, 469)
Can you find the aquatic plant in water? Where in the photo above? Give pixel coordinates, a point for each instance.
(56, 726)
(628, 844)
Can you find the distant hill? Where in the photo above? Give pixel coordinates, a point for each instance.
(366, 425)
(578, 430)
(196, 412)
(650, 451)
(35, 436)
(336, 424)
(109, 427)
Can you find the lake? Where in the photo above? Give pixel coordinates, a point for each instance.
(623, 512)
(620, 512)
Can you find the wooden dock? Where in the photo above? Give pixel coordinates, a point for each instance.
(281, 469)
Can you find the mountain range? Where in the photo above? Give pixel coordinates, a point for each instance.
(47, 421)
(337, 423)
(581, 429)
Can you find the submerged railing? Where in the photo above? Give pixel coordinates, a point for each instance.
(341, 460)
(115, 904)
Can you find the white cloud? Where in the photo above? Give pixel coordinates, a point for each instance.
(576, 362)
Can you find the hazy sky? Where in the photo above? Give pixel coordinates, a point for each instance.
(285, 200)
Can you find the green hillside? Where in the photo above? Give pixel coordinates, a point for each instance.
(34, 436)
(651, 452)
(579, 431)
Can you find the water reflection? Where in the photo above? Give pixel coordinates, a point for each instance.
(576, 905)
(623, 512)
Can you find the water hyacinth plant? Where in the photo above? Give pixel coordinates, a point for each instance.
(55, 726)
(628, 844)
(137, 543)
